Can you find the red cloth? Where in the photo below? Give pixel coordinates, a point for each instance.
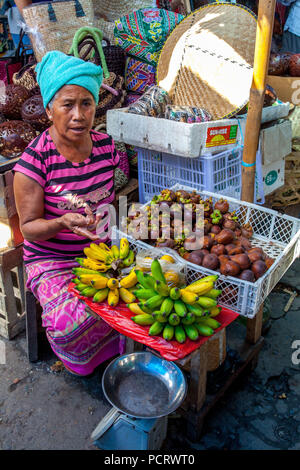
(120, 319)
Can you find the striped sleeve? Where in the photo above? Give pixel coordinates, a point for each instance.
(32, 165)
(115, 156)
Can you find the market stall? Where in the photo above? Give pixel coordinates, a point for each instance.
(185, 98)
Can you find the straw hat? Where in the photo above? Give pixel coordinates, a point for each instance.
(207, 61)
(112, 10)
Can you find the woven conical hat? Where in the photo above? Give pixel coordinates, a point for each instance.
(207, 61)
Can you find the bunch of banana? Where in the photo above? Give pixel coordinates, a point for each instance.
(101, 258)
(175, 312)
(97, 285)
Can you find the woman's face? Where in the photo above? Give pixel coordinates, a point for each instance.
(72, 112)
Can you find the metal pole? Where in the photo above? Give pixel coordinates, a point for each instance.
(266, 12)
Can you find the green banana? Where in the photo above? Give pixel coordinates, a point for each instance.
(168, 332)
(189, 319)
(162, 288)
(157, 272)
(78, 271)
(145, 308)
(204, 330)
(206, 302)
(144, 293)
(180, 308)
(154, 302)
(80, 287)
(89, 291)
(214, 311)
(175, 293)
(156, 328)
(180, 335)
(76, 280)
(167, 306)
(101, 295)
(174, 319)
(147, 281)
(213, 293)
(196, 310)
(129, 259)
(191, 332)
(143, 319)
(211, 322)
(161, 317)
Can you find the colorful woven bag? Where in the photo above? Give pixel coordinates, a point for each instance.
(138, 75)
(143, 33)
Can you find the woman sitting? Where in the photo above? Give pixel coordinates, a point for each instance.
(61, 180)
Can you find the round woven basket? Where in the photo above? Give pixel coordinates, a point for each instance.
(207, 61)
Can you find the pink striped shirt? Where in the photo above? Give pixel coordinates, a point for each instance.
(68, 187)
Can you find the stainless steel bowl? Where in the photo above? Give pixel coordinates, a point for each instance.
(143, 385)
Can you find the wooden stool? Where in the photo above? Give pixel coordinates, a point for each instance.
(12, 292)
(31, 326)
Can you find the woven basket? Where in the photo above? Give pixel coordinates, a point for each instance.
(112, 10)
(115, 58)
(207, 61)
(26, 77)
(54, 24)
(107, 27)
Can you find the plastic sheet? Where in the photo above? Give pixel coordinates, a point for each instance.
(120, 319)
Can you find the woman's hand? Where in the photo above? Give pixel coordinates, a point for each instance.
(80, 224)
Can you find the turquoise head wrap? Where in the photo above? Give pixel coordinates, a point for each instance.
(58, 69)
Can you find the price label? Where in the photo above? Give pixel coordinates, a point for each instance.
(222, 135)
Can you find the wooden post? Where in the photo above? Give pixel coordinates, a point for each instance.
(266, 12)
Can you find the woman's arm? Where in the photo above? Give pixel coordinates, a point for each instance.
(29, 197)
(22, 4)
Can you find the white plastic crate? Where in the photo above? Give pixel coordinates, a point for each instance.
(278, 235)
(216, 173)
(180, 138)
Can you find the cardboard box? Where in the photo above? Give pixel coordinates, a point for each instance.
(10, 234)
(276, 142)
(273, 176)
(287, 88)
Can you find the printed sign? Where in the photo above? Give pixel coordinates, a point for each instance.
(271, 177)
(223, 135)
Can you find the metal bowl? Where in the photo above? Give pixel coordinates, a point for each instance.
(143, 385)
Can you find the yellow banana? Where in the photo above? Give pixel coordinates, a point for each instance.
(113, 297)
(98, 251)
(115, 252)
(129, 280)
(188, 297)
(127, 296)
(134, 308)
(124, 248)
(210, 278)
(91, 264)
(100, 282)
(113, 283)
(200, 289)
(91, 254)
(104, 247)
(88, 278)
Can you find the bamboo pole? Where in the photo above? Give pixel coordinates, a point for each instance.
(266, 12)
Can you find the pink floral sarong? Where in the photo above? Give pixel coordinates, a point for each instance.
(80, 340)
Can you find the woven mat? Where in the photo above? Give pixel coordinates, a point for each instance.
(207, 61)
